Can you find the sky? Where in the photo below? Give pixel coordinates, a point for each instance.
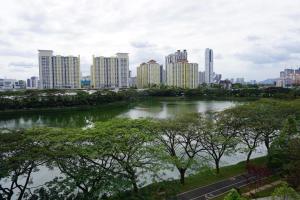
(254, 39)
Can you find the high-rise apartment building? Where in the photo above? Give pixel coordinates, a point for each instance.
(58, 71)
(148, 74)
(32, 82)
(110, 72)
(201, 78)
(209, 64)
(179, 72)
(46, 69)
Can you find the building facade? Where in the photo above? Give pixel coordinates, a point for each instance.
(201, 78)
(209, 66)
(110, 72)
(58, 71)
(33, 82)
(288, 78)
(149, 74)
(181, 73)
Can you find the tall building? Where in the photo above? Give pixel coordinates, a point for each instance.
(110, 72)
(179, 72)
(201, 78)
(148, 74)
(209, 64)
(240, 81)
(46, 69)
(58, 71)
(176, 57)
(288, 78)
(32, 82)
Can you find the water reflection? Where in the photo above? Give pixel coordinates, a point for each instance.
(79, 117)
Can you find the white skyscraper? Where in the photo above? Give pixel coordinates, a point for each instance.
(45, 69)
(58, 71)
(209, 64)
(110, 72)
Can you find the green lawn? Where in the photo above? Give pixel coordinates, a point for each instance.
(167, 189)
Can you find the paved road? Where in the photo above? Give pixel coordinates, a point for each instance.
(216, 189)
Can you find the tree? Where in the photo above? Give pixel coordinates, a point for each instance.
(219, 137)
(284, 192)
(19, 158)
(180, 141)
(279, 152)
(234, 195)
(130, 144)
(249, 133)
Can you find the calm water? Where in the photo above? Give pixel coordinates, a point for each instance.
(155, 108)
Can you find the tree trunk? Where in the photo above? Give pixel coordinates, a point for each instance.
(249, 156)
(267, 143)
(26, 183)
(135, 187)
(217, 166)
(182, 175)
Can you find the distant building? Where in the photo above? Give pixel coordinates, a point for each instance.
(28, 85)
(179, 72)
(7, 84)
(240, 81)
(132, 82)
(201, 78)
(148, 74)
(85, 82)
(20, 84)
(58, 71)
(252, 82)
(176, 57)
(226, 84)
(209, 66)
(217, 78)
(288, 78)
(110, 72)
(32, 83)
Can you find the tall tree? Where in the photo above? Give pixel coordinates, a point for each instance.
(180, 141)
(219, 137)
(130, 144)
(19, 158)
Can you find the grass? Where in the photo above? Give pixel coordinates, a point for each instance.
(168, 189)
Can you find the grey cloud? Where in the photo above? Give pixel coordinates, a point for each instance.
(4, 43)
(292, 46)
(218, 56)
(17, 53)
(138, 45)
(253, 38)
(21, 64)
(263, 56)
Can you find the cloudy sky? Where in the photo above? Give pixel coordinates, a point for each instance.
(254, 39)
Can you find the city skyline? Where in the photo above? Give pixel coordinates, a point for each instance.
(244, 35)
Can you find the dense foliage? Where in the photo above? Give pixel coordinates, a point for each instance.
(114, 159)
(29, 99)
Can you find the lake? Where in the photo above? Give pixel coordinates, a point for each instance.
(79, 117)
(160, 108)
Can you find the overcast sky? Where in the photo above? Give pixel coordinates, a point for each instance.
(254, 39)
